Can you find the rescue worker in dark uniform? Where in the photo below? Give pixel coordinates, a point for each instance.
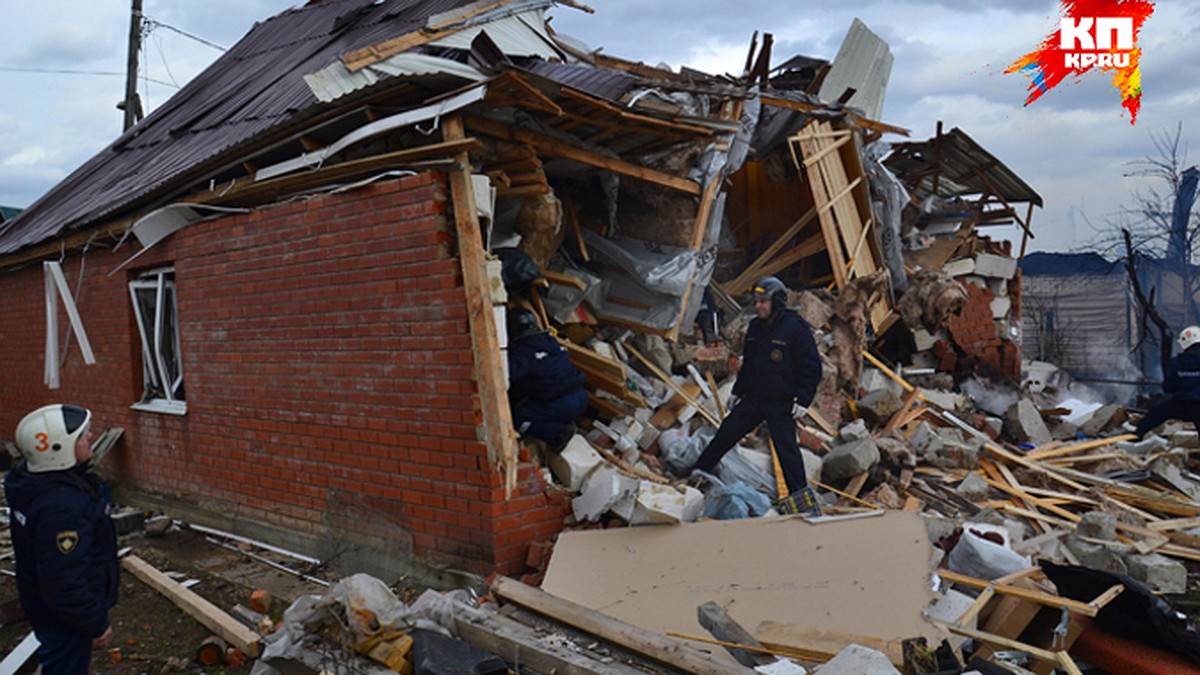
(63, 538)
(545, 389)
(1182, 384)
(781, 368)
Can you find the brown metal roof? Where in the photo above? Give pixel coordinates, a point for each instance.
(255, 87)
(961, 166)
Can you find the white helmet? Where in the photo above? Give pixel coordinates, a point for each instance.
(1189, 336)
(47, 436)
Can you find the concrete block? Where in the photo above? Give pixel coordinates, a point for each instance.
(1105, 417)
(573, 465)
(973, 487)
(855, 431)
(849, 459)
(974, 280)
(1097, 525)
(878, 407)
(1024, 423)
(649, 436)
(949, 606)
(873, 379)
(998, 287)
(959, 267)
(924, 436)
(602, 489)
(1108, 557)
(623, 507)
(995, 266)
(946, 400)
(994, 423)
(1062, 431)
(1185, 438)
(952, 455)
(1001, 307)
(812, 464)
(658, 505)
(858, 660)
(1158, 572)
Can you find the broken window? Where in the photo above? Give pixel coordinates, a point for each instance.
(153, 296)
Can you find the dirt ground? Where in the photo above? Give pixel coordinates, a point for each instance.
(151, 634)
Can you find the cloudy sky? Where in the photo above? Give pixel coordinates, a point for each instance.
(61, 67)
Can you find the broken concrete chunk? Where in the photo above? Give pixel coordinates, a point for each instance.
(855, 431)
(1097, 525)
(946, 400)
(693, 504)
(878, 407)
(1170, 468)
(1185, 438)
(1106, 557)
(849, 459)
(658, 504)
(1025, 425)
(602, 489)
(1158, 572)
(959, 267)
(1001, 307)
(973, 487)
(858, 660)
(924, 340)
(995, 266)
(895, 452)
(1105, 417)
(572, 466)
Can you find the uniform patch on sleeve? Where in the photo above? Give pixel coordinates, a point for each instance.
(67, 540)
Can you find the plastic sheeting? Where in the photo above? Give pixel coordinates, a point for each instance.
(887, 212)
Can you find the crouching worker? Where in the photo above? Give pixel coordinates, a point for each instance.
(781, 368)
(545, 389)
(1182, 385)
(63, 539)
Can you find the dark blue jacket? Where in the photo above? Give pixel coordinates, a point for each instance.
(1183, 375)
(780, 360)
(540, 369)
(65, 547)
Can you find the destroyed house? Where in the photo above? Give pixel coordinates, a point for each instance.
(281, 287)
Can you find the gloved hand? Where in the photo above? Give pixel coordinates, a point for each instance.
(799, 411)
(732, 402)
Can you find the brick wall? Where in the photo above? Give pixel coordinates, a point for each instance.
(978, 335)
(328, 375)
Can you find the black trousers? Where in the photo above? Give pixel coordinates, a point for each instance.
(745, 416)
(1172, 408)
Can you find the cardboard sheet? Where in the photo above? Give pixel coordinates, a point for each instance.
(866, 576)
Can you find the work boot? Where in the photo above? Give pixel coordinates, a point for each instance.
(804, 502)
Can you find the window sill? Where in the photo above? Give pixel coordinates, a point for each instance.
(160, 405)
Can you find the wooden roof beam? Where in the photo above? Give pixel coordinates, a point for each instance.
(556, 148)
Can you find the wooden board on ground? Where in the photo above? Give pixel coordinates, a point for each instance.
(212, 617)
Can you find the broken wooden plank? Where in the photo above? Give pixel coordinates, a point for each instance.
(209, 615)
(656, 647)
(517, 643)
(1088, 609)
(1078, 447)
(1174, 524)
(499, 435)
(691, 400)
(1036, 652)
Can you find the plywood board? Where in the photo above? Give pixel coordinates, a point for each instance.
(866, 577)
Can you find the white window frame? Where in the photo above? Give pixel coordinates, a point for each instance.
(154, 362)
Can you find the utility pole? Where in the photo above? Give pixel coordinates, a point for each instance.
(132, 105)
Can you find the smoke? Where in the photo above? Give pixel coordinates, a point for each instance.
(992, 398)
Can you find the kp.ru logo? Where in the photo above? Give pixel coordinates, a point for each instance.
(1092, 34)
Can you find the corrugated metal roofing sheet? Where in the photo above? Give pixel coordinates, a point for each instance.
(963, 167)
(256, 86)
(604, 83)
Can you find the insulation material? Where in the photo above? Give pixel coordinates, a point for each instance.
(774, 569)
(932, 298)
(540, 224)
(849, 326)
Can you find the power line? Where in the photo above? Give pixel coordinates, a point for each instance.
(152, 24)
(66, 71)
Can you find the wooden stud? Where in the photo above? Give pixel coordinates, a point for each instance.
(499, 435)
